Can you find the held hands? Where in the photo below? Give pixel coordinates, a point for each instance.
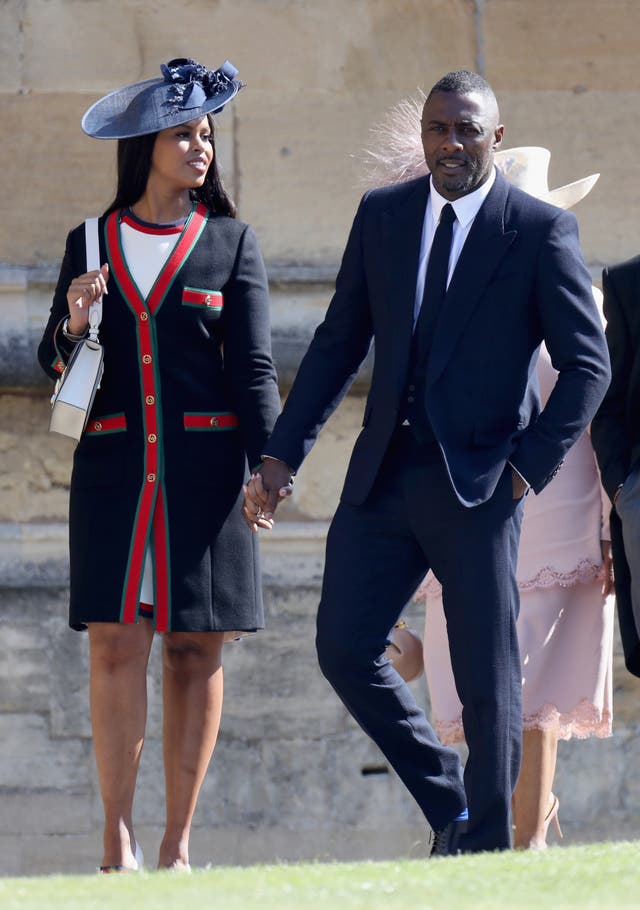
(264, 491)
(83, 291)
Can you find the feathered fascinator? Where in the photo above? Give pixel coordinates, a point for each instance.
(396, 155)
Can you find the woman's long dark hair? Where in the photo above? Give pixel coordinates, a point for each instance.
(134, 166)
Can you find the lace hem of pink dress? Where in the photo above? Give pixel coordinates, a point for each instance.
(583, 722)
(585, 571)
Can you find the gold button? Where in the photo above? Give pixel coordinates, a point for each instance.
(146, 358)
(152, 437)
(214, 421)
(151, 478)
(150, 399)
(143, 317)
(97, 426)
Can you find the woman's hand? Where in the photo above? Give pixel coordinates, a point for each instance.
(608, 586)
(83, 291)
(264, 490)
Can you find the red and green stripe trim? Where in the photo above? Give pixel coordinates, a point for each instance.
(210, 420)
(111, 423)
(58, 363)
(149, 228)
(146, 522)
(161, 564)
(199, 297)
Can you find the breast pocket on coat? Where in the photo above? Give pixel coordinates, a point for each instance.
(208, 304)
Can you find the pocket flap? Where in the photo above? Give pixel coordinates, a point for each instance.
(202, 298)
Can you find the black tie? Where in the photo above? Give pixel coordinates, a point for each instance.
(435, 284)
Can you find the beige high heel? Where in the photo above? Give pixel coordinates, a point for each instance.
(552, 815)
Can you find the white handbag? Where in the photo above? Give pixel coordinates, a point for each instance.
(75, 390)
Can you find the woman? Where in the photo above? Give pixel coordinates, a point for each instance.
(188, 398)
(565, 626)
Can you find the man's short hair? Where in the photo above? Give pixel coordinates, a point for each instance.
(462, 82)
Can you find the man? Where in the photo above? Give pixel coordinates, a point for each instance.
(615, 434)
(452, 438)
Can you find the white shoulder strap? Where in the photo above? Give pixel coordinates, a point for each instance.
(93, 262)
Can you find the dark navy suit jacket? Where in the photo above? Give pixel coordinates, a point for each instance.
(520, 279)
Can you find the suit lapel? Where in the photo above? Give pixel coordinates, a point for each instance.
(402, 233)
(484, 249)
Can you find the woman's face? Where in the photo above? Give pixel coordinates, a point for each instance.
(182, 155)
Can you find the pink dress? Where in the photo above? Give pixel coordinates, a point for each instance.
(565, 627)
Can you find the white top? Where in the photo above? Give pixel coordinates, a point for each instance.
(146, 252)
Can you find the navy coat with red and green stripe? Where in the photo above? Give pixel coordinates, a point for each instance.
(188, 399)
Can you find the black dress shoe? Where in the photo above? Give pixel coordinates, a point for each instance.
(447, 841)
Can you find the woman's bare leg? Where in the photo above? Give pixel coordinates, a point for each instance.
(532, 796)
(192, 689)
(119, 654)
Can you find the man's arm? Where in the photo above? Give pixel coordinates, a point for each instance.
(575, 340)
(339, 345)
(609, 431)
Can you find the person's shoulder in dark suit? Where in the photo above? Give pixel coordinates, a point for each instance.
(625, 273)
(395, 193)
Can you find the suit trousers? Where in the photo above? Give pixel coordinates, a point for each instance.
(377, 554)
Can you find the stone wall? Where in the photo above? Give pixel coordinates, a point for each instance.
(292, 777)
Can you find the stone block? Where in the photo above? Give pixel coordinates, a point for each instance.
(11, 46)
(52, 27)
(40, 765)
(76, 177)
(553, 46)
(302, 168)
(46, 812)
(24, 670)
(292, 696)
(596, 791)
(561, 121)
(69, 688)
(11, 854)
(630, 788)
(55, 854)
(319, 482)
(37, 464)
(306, 784)
(360, 47)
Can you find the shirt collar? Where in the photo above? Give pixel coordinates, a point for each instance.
(466, 207)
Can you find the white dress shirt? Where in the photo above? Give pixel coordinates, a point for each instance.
(466, 209)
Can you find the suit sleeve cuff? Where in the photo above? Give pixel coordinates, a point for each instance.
(273, 458)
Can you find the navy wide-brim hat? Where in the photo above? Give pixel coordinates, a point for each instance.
(187, 91)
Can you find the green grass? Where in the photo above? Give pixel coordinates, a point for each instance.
(594, 876)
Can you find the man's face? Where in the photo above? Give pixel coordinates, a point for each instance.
(460, 134)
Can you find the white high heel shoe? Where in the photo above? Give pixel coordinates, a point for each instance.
(139, 857)
(552, 815)
(139, 864)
